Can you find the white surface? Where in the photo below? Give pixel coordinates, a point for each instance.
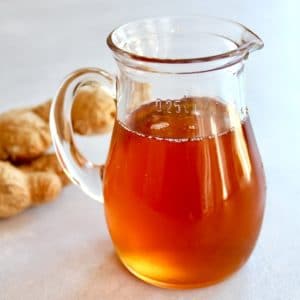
(62, 250)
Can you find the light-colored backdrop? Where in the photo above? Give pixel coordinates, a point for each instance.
(62, 250)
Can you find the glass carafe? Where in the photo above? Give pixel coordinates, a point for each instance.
(183, 183)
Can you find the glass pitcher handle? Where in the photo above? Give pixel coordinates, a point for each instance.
(83, 172)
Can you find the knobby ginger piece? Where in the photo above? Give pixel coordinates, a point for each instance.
(20, 190)
(23, 135)
(43, 186)
(46, 163)
(93, 111)
(14, 194)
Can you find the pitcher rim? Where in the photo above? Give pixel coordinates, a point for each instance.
(242, 50)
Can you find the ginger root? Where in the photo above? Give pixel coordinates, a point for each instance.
(25, 135)
(28, 176)
(93, 111)
(46, 163)
(20, 190)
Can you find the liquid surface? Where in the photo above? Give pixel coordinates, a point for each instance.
(184, 192)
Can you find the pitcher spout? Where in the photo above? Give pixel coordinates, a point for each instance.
(250, 41)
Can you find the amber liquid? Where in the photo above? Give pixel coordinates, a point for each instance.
(184, 192)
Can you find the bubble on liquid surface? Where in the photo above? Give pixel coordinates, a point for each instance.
(160, 125)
